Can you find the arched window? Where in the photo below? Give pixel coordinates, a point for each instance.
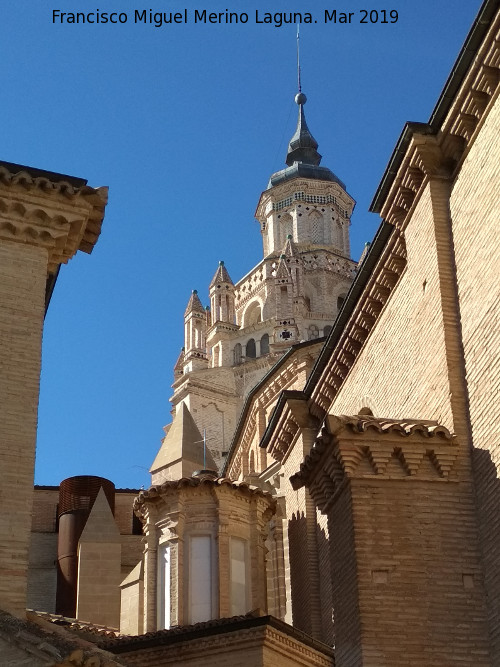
(264, 344)
(316, 227)
(250, 349)
(327, 330)
(340, 235)
(340, 302)
(284, 302)
(252, 314)
(251, 464)
(237, 353)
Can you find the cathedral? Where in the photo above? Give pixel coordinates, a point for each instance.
(328, 490)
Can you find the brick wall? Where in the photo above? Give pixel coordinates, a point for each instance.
(22, 292)
(474, 212)
(344, 582)
(304, 581)
(419, 576)
(42, 576)
(402, 368)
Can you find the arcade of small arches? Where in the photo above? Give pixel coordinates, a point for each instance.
(251, 350)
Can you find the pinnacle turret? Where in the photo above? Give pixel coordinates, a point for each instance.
(194, 304)
(221, 275)
(222, 296)
(282, 270)
(289, 249)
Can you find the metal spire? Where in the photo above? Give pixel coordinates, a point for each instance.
(303, 146)
(299, 84)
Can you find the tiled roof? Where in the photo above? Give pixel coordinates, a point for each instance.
(159, 637)
(77, 625)
(36, 641)
(253, 619)
(404, 427)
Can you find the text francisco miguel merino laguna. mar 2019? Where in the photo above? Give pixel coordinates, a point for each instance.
(207, 17)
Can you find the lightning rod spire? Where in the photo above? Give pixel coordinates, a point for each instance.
(298, 61)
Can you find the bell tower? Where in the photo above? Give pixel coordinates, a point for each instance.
(291, 296)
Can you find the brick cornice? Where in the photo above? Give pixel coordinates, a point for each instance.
(56, 216)
(175, 490)
(376, 450)
(235, 634)
(294, 417)
(438, 150)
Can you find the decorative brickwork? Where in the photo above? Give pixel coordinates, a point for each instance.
(383, 484)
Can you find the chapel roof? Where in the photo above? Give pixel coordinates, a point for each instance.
(156, 491)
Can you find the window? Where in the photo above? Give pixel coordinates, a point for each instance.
(164, 586)
(252, 314)
(327, 330)
(237, 354)
(251, 352)
(284, 301)
(264, 344)
(200, 578)
(238, 576)
(251, 465)
(316, 227)
(136, 525)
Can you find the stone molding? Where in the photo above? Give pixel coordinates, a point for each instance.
(294, 418)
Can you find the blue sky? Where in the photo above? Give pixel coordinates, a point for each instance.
(185, 123)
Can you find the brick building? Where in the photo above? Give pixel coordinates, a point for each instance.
(354, 516)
